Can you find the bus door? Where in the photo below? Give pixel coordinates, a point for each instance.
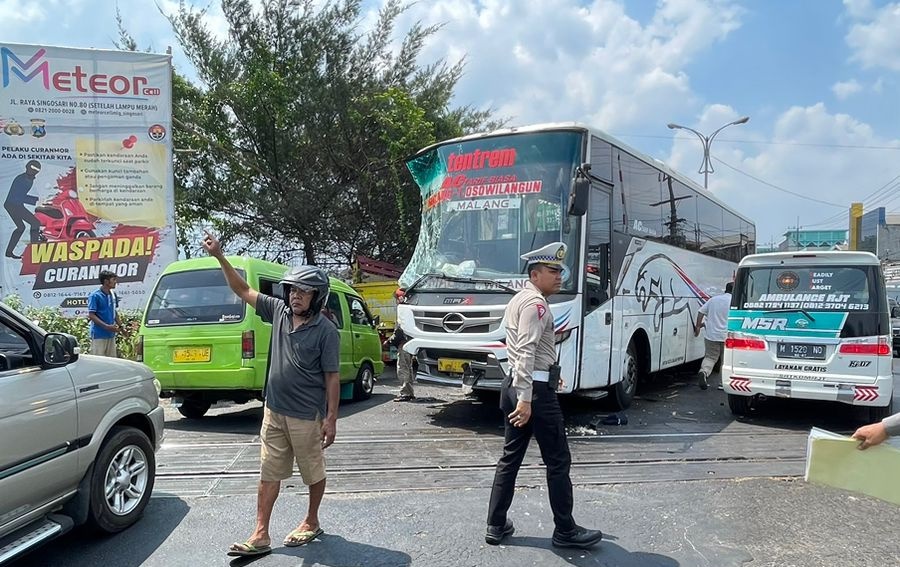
(675, 327)
(598, 302)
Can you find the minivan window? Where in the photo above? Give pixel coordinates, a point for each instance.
(333, 310)
(196, 296)
(819, 288)
(358, 313)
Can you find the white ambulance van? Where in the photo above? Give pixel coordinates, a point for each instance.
(810, 325)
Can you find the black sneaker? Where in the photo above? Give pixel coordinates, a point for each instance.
(579, 538)
(704, 384)
(495, 534)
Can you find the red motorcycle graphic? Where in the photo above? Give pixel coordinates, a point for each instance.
(63, 217)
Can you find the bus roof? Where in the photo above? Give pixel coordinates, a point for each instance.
(580, 127)
(811, 258)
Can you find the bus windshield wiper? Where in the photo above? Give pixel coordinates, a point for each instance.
(466, 279)
(803, 311)
(458, 279)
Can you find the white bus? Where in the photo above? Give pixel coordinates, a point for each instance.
(646, 248)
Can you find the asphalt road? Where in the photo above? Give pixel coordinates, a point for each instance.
(682, 483)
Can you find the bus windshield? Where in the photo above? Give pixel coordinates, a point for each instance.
(486, 202)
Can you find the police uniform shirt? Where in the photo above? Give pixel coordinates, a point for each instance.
(529, 338)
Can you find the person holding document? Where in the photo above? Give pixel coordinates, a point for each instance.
(876, 433)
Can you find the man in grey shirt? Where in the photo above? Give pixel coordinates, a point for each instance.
(876, 433)
(302, 395)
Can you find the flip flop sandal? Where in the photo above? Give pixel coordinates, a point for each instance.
(301, 537)
(247, 549)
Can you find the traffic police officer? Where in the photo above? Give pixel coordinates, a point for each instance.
(528, 399)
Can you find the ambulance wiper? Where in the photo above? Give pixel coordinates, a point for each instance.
(803, 311)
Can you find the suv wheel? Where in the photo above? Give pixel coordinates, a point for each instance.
(122, 480)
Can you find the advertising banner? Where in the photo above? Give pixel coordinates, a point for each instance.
(85, 173)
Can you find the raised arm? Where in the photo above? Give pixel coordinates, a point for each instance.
(237, 284)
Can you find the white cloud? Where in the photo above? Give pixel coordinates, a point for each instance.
(845, 89)
(558, 60)
(874, 36)
(13, 12)
(793, 158)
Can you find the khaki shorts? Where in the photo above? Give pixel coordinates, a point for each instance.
(287, 439)
(104, 347)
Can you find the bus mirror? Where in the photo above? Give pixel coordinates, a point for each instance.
(581, 186)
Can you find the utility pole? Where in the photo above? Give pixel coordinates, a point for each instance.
(675, 234)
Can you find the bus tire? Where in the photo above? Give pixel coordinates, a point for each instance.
(739, 405)
(878, 413)
(622, 393)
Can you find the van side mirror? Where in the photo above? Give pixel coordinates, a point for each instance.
(59, 350)
(581, 186)
(895, 312)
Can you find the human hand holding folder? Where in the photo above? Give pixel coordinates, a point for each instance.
(835, 460)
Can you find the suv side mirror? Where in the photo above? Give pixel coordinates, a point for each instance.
(581, 186)
(59, 350)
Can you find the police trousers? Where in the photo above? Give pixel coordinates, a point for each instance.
(546, 425)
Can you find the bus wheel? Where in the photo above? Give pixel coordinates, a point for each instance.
(739, 405)
(623, 392)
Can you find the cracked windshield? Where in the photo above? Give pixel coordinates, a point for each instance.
(486, 202)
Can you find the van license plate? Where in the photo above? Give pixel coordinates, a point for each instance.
(191, 354)
(801, 350)
(451, 365)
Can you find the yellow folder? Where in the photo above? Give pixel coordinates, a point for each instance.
(835, 460)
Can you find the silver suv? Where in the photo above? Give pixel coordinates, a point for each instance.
(78, 436)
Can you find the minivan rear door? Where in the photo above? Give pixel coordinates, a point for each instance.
(820, 323)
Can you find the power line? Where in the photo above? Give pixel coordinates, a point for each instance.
(773, 186)
(885, 189)
(765, 142)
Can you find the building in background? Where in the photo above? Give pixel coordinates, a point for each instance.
(813, 240)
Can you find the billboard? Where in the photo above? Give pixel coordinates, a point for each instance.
(85, 173)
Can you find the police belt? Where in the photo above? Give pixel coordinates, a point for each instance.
(540, 376)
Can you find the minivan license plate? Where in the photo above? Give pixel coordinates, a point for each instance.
(191, 354)
(801, 350)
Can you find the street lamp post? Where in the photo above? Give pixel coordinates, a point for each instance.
(706, 167)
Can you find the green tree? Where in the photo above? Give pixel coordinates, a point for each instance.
(298, 134)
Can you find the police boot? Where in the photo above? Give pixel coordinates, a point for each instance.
(495, 534)
(580, 538)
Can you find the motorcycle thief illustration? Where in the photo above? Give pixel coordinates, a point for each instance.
(62, 217)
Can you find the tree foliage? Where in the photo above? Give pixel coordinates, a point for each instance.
(293, 143)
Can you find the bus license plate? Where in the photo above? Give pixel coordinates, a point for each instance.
(801, 350)
(451, 365)
(191, 354)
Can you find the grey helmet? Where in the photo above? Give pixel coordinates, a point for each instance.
(309, 278)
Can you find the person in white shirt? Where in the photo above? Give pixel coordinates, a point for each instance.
(713, 319)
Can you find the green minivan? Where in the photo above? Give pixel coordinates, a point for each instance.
(205, 345)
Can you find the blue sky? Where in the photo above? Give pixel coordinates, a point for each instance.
(819, 79)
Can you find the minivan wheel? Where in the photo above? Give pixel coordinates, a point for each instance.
(122, 480)
(879, 413)
(739, 405)
(364, 384)
(194, 409)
